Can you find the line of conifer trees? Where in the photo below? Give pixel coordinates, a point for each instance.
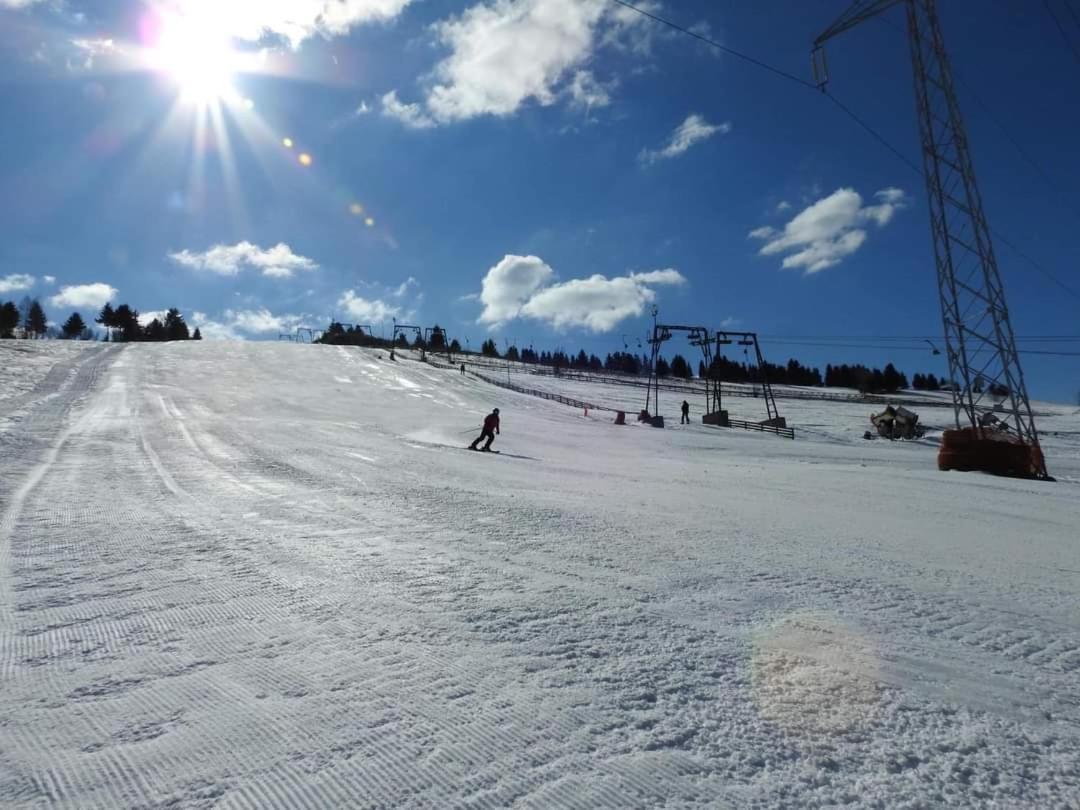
(122, 325)
(29, 320)
(29, 315)
(863, 378)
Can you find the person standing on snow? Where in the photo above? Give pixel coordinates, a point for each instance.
(462, 369)
(685, 413)
(491, 427)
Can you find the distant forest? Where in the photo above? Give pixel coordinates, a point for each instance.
(28, 320)
(860, 377)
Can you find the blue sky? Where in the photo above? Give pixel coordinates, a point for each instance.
(541, 171)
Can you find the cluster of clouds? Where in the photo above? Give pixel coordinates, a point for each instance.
(401, 302)
(278, 261)
(828, 230)
(352, 307)
(76, 296)
(496, 55)
(506, 53)
(525, 287)
(239, 324)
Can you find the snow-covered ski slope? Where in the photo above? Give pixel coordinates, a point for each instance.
(269, 575)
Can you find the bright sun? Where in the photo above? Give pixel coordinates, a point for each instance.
(199, 58)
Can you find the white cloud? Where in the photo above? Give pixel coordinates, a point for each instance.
(84, 296)
(411, 115)
(16, 282)
(291, 20)
(691, 131)
(146, 317)
(363, 109)
(49, 279)
(782, 206)
(629, 31)
(17, 3)
(408, 284)
(829, 230)
(596, 303)
(666, 276)
(509, 285)
(237, 324)
(364, 310)
(211, 329)
(520, 286)
(261, 320)
(506, 53)
(228, 260)
(587, 92)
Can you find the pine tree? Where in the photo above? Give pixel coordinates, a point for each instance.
(175, 327)
(680, 368)
(455, 347)
(73, 327)
(890, 378)
(126, 321)
(512, 354)
(9, 319)
(155, 331)
(197, 334)
(106, 318)
(36, 323)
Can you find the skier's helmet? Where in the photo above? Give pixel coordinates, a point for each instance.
(496, 410)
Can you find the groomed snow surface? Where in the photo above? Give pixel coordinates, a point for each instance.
(269, 575)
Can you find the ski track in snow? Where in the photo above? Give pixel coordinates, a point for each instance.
(229, 578)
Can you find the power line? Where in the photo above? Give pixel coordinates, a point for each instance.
(881, 139)
(893, 347)
(1049, 181)
(1061, 28)
(1072, 13)
(874, 133)
(715, 44)
(1001, 238)
(1032, 338)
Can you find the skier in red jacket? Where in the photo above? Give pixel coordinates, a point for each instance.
(491, 427)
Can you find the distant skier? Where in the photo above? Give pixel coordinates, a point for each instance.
(685, 413)
(491, 427)
(462, 369)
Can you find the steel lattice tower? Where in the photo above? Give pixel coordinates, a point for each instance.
(983, 362)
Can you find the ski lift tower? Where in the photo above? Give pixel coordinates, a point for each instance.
(979, 341)
(401, 329)
(746, 340)
(697, 336)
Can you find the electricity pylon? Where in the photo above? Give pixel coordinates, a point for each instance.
(988, 383)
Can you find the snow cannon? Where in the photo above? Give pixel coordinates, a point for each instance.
(996, 452)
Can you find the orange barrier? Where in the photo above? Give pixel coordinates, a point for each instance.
(965, 449)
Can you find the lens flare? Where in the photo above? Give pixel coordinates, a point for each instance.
(305, 159)
(287, 143)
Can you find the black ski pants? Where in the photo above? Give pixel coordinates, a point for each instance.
(489, 435)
